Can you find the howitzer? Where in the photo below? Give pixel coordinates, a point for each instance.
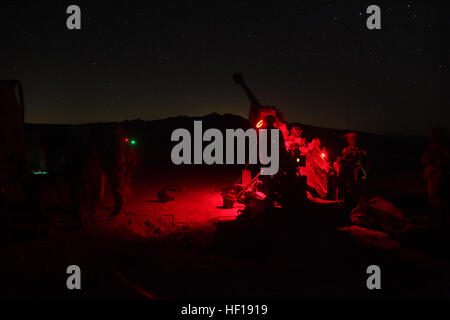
(257, 112)
(12, 135)
(239, 79)
(309, 158)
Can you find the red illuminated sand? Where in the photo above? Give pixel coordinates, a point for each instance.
(197, 203)
(193, 205)
(163, 251)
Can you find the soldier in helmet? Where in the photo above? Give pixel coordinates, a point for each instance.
(119, 165)
(352, 171)
(269, 182)
(37, 164)
(91, 173)
(13, 158)
(435, 159)
(286, 187)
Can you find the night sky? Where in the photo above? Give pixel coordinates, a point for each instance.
(315, 60)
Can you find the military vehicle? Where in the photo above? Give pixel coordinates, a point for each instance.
(13, 168)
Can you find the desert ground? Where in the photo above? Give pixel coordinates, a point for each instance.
(190, 248)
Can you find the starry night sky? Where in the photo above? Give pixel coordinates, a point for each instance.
(315, 60)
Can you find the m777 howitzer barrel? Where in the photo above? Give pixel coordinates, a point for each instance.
(257, 111)
(239, 79)
(255, 104)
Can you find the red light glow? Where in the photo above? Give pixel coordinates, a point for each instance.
(317, 165)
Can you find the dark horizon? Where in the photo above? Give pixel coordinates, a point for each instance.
(315, 60)
(405, 135)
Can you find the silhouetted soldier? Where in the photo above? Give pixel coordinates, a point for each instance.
(13, 166)
(119, 166)
(436, 159)
(269, 182)
(353, 172)
(270, 124)
(91, 175)
(287, 186)
(37, 165)
(80, 164)
(69, 169)
(295, 141)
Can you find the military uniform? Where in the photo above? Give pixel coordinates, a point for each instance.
(436, 159)
(37, 165)
(91, 172)
(13, 167)
(119, 168)
(353, 175)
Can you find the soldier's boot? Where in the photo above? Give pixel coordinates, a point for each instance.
(119, 207)
(3, 206)
(118, 211)
(119, 190)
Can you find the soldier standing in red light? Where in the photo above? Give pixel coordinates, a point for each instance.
(436, 159)
(103, 151)
(91, 174)
(119, 166)
(37, 164)
(13, 167)
(295, 143)
(352, 172)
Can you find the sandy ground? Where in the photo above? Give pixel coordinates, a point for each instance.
(31, 263)
(165, 251)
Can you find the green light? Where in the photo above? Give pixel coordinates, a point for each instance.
(39, 172)
(133, 142)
